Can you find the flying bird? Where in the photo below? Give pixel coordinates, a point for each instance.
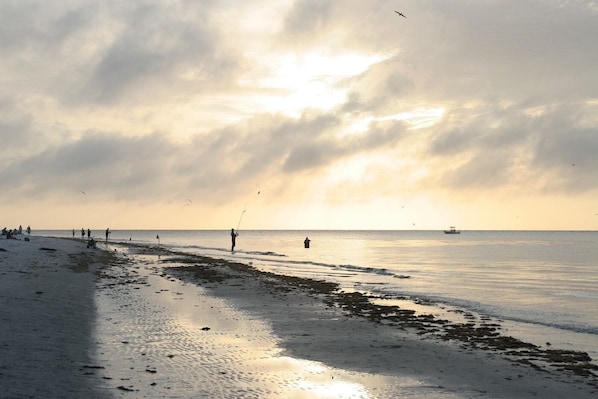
(401, 14)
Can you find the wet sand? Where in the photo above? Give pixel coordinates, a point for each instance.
(177, 326)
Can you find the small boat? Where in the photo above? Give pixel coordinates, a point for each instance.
(452, 230)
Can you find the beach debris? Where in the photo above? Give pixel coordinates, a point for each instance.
(205, 328)
(88, 367)
(149, 370)
(47, 249)
(124, 388)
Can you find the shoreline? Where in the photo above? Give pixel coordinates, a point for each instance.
(474, 335)
(319, 315)
(181, 325)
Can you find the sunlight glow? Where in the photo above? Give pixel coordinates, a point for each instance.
(418, 118)
(334, 389)
(309, 80)
(318, 380)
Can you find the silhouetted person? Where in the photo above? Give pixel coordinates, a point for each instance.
(107, 233)
(306, 242)
(82, 232)
(233, 239)
(88, 233)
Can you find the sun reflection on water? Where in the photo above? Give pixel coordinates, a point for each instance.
(319, 381)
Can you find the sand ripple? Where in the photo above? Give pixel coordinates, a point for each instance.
(160, 338)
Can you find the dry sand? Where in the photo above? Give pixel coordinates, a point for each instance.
(156, 324)
(47, 319)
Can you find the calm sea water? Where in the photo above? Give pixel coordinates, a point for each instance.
(543, 285)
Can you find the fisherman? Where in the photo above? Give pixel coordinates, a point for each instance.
(233, 239)
(306, 242)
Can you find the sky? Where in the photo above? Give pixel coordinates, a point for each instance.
(299, 114)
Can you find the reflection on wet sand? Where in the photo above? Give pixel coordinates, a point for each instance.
(159, 337)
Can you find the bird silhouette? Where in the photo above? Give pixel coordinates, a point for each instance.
(401, 14)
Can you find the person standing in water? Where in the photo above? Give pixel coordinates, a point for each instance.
(233, 239)
(107, 233)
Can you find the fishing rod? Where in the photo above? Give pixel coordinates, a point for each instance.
(243, 212)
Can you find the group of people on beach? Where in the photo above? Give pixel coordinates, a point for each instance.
(91, 242)
(12, 233)
(89, 233)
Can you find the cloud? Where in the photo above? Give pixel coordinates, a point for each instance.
(147, 100)
(517, 146)
(16, 132)
(308, 17)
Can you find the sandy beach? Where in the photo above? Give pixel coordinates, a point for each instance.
(47, 318)
(135, 322)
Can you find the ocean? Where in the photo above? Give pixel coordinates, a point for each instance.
(542, 286)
